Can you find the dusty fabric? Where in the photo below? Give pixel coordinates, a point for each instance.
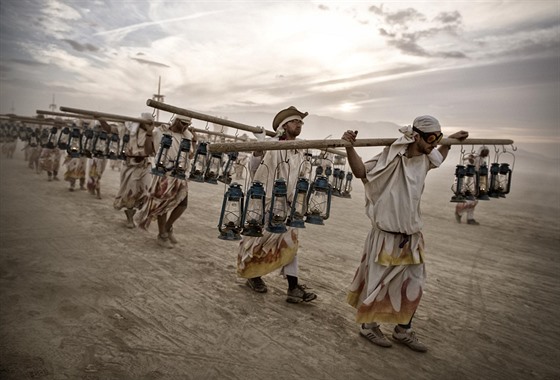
(387, 286)
(257, 256)
(165, 192)
(75, 168)
(96, 167)
(135, 183)
(49, 159)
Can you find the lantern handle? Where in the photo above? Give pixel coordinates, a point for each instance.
(461, 155)
(206, 127)
(513, 147)
(512, 155)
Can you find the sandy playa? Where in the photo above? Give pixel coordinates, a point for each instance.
(82, 297)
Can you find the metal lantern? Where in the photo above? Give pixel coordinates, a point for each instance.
(298, 208)
(100, 144)
(335, 181)
(319, 199)
(44, 137)
(254, 211)
(482, 182)
(278, 207)
(124, 146)
(113, 146)
(225, 177)
(232, 213)
(340, 182)
(52, 137)
(458, 185)
(493, 189)
(87, 142)
(213, 168)
(504, 180)
(64, 138)
(182, 160)
(33, 140)
(74, 148)
(328, 172)
(199, 162)
(161, 160)
(469, 182)
(347, 186)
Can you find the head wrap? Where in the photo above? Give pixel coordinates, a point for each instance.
(184, 119)
(147, 115)
(427, 124)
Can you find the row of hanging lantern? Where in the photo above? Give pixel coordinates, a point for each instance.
(341, 181)
(176, 166)
(484, 183)
(247, 214)
(211, 168)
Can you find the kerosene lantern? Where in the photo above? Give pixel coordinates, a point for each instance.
(340, 182)
(254, 211)
(319, 199)
(225, 177)
(63, 138)
(213, 168)
(482, 182)
(161, 160)
(44, 137)
(347, 186)
(33, 139)
(493, 190)
(124, 146)
(298, 209)
(22, 133)
(74, 148)
(334, 182)
(469, 186)
(100, 144)
(504, 180)
(199, 162)
(458, 185)
(87, 142)
(230, 223)
(182, 160)
(52, 137)
(113, 146)
(278, 211)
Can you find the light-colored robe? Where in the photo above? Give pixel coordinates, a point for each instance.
(257, 256)
(388, 283)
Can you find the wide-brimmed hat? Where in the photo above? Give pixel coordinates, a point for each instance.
(184, 119)
(290, 113)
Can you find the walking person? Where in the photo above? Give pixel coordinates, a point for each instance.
(388, 284)
(135, 177)
(258, 256)
(167, 197)
(468, 206)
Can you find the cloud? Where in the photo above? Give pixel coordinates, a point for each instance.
(150, 63)
(79, 47)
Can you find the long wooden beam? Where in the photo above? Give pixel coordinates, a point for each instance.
(107, 116)
(334, 143)
(216, 120)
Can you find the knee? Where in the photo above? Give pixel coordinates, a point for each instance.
(184, 202)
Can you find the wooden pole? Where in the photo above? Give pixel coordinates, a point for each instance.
(62, 114)
(217, 120)
(197, 130)
(322, 144)
(107, 116)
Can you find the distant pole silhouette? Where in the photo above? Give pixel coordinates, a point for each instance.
(158, 97)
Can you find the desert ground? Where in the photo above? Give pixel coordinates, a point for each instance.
(83, 297)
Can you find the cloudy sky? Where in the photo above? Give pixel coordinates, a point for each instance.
(491, 67)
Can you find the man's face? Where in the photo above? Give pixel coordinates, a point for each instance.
(293, 128)
(180, 125)
(423, 146)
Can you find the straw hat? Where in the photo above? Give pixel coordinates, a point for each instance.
(288, 114)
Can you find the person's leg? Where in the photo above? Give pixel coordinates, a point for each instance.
(129, 212)
(470, 214)
(403, 333)
(163, 236)
(175, 214)
(296, 293)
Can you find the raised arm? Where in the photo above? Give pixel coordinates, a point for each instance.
(354, 160)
